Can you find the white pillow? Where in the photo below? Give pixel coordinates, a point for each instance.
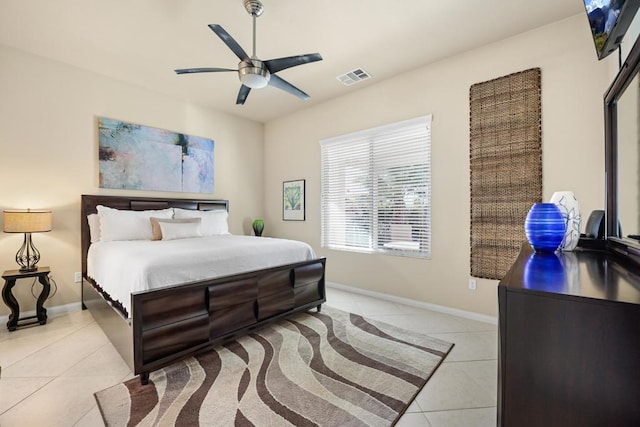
(157, 231)
(179, 230)
(116, 224)
(214, 223)
(94, 227)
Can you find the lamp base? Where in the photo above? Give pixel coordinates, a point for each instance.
(27, 256)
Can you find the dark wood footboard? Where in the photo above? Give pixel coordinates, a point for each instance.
(177, 321)
(174, 322)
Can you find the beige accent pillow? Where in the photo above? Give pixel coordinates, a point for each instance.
(157, 231)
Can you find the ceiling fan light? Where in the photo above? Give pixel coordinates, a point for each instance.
(254, 74)
(254, 81)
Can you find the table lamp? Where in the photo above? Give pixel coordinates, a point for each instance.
(27, 222)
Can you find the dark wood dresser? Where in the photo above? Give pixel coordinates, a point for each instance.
(569, 347)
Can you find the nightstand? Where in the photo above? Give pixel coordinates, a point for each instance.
(10, 277)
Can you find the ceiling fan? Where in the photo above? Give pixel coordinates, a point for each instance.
(253, 72)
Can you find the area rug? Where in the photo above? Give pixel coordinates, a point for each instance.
(314, 369)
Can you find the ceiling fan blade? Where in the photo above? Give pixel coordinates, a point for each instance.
(202, 70)
(278, 64)
(229, 41)
(242, 95)
(280, 83)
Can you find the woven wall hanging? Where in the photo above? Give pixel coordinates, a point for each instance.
(506, 168)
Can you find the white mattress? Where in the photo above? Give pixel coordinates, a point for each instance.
(123, 267)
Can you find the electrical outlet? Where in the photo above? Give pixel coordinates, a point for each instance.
(473, 285)
(77, 277)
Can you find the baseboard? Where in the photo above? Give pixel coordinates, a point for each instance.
(56, 309)
(418, 304)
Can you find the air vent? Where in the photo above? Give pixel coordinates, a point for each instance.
(353, 77)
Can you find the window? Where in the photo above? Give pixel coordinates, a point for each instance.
(376, 190)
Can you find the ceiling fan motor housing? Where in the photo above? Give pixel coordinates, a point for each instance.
(253, 74)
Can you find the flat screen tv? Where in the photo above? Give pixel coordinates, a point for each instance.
(609, 21)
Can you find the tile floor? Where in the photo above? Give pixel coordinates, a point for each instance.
(50, 372)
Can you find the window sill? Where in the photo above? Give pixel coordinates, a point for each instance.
(401, 252)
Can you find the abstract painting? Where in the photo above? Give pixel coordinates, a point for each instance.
(136, 157)
(293, 200)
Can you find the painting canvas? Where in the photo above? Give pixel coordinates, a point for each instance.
(136, 157)
(293, 200)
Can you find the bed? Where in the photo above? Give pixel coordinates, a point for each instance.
(197, 305)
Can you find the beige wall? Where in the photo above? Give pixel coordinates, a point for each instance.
(573, 83)
(48, 155)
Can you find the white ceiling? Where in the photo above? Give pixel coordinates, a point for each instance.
(143, 41)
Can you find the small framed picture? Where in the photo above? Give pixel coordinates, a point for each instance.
(293, 208)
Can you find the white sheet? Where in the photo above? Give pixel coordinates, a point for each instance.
(124, 267)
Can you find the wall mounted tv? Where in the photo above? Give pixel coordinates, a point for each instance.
(609, 20)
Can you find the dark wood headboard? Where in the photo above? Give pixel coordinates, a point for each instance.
(89, 203)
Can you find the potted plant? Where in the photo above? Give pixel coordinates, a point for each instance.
(258, 226)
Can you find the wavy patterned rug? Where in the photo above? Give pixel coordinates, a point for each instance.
(327, 369)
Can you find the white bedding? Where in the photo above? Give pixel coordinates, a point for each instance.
(123, 267)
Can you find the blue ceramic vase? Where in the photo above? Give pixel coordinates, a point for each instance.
(544, 227)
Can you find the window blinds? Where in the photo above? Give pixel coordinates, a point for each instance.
(376, 189)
